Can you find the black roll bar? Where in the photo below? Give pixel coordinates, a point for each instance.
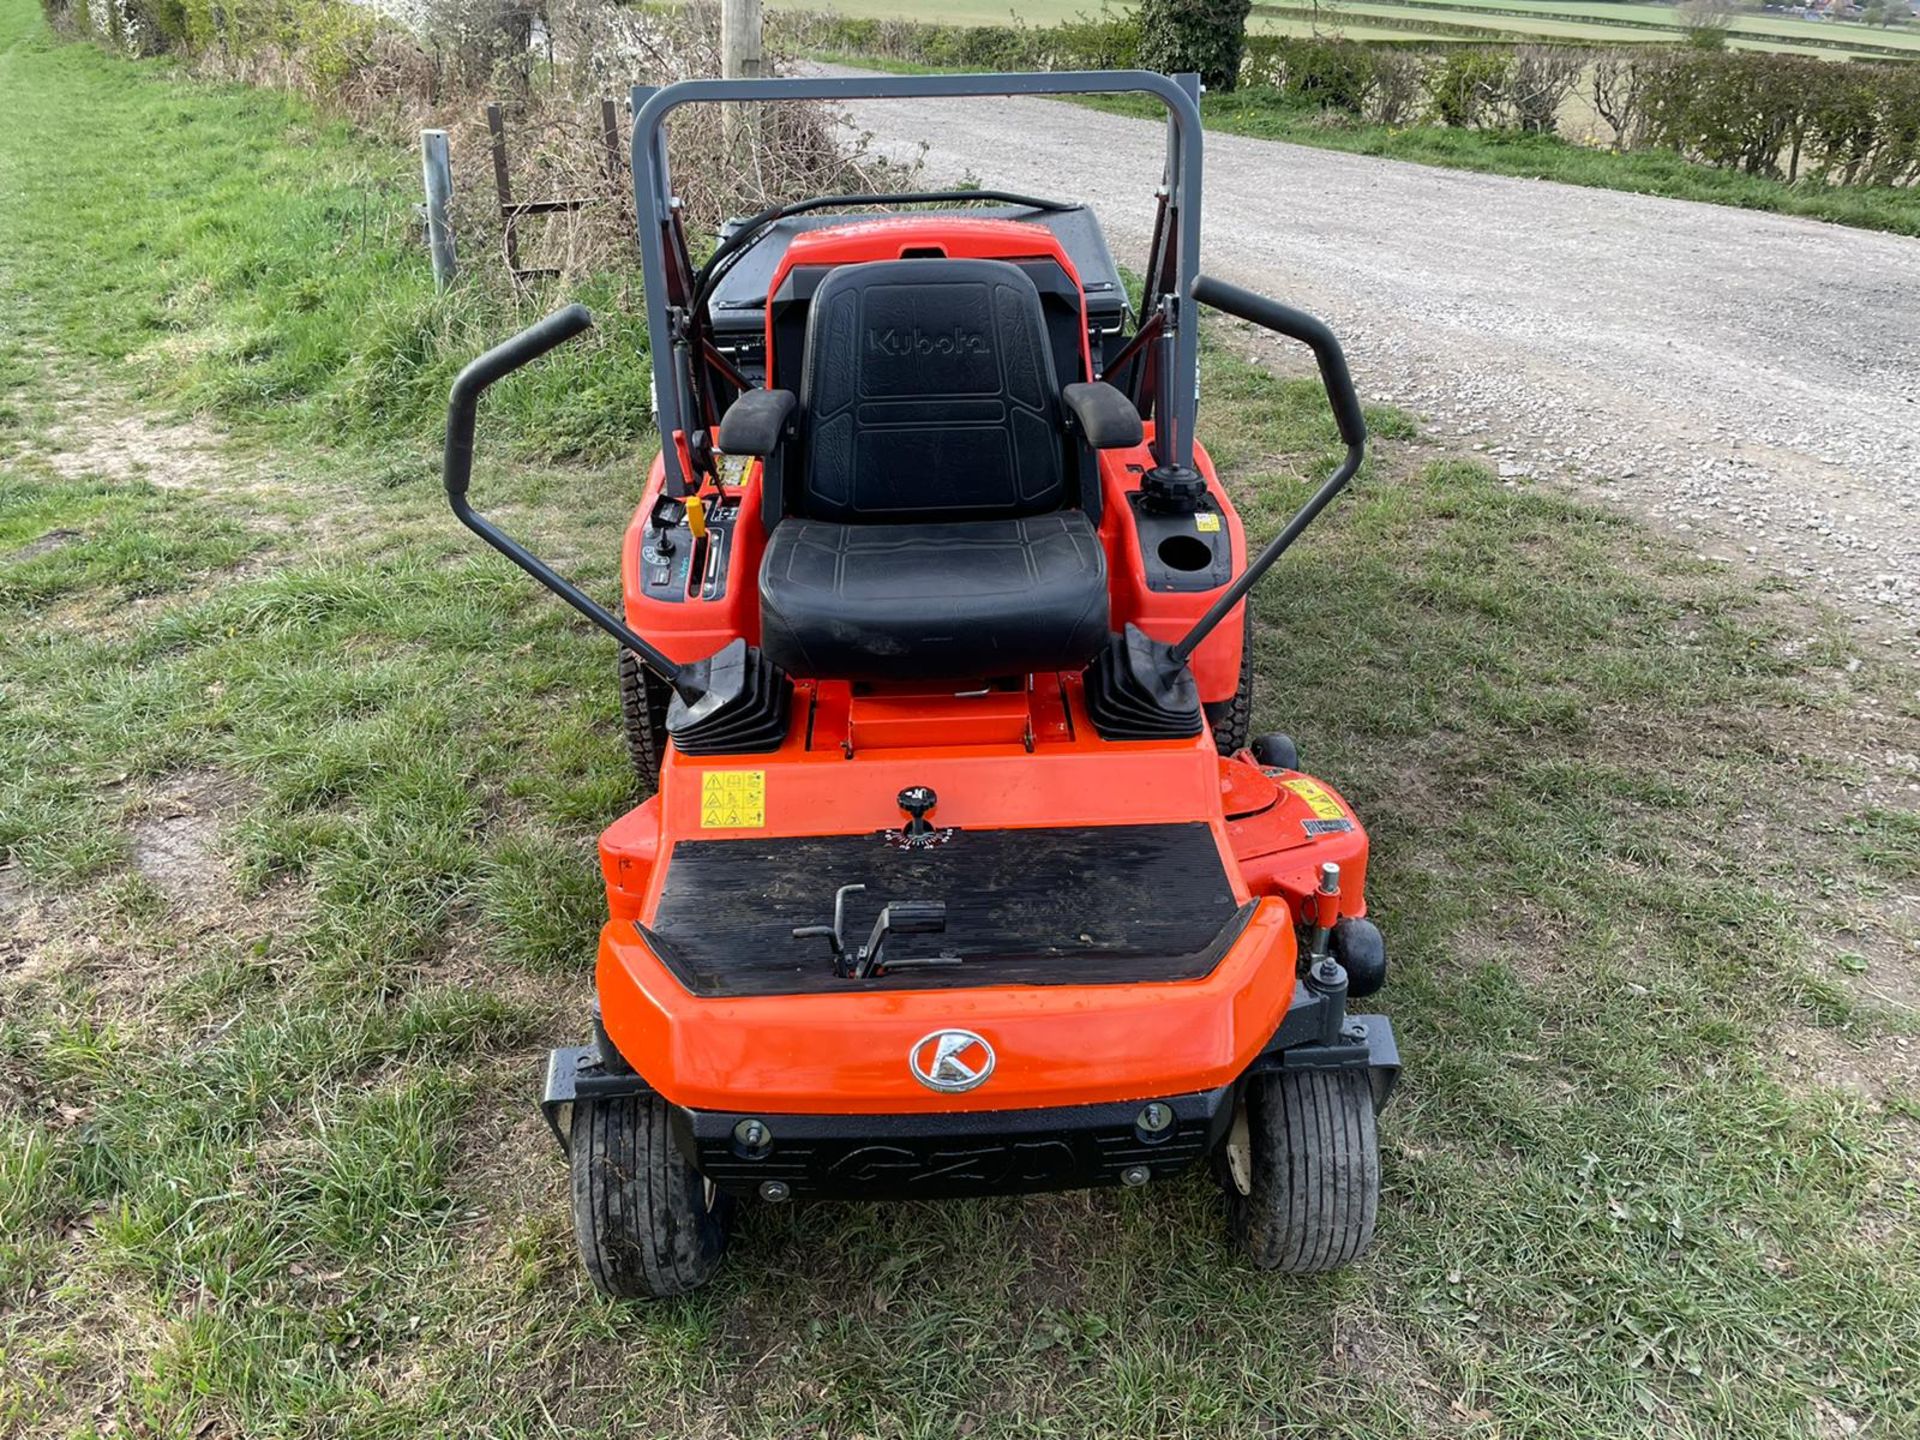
(654, 207)
(1295, 325)
(457, 469)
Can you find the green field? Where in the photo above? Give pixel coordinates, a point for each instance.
(1751, 33)
(960, 12)
(1635, 24)
(1495, 25)
(1667, 17)
(1494, 19)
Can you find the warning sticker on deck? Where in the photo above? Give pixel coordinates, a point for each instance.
(733, 799)
(1318, 800)
(1206, 522)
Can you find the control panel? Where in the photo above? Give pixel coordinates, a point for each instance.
(1183, 552)
(676, 562)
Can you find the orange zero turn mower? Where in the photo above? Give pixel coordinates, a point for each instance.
(962, 874)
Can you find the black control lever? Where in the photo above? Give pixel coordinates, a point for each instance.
(833, 934)
(1338, 383)
(900, 917)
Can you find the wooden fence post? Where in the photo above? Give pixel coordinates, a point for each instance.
(740, 24)
(740, 30)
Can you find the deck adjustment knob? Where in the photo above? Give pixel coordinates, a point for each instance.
(917, 800)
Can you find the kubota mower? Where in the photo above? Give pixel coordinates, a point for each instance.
(962, 875)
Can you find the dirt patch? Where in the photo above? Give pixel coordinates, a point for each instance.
(134, 447)
(48, 543)
(1878, 1068)
(1878, 957)
(175, 843)
(1366, 1350)
(23, 927)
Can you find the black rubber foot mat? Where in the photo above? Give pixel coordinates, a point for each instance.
(1097, 905)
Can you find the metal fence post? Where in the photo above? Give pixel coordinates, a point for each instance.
(437, 165)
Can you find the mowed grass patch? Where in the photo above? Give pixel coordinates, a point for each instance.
(287, 1175)
(269, 1159)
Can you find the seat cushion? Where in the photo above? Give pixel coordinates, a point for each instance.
(928, 395)
(962, 600)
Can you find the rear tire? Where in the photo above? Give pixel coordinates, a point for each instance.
(1310, 1171)
(644, 698)
(648, 1225)
(1232, 720)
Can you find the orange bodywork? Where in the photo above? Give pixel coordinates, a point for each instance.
(999, 758)
(845, 1053)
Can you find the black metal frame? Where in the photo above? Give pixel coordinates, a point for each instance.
(673, 326)
(463, 407)
(1347, 415)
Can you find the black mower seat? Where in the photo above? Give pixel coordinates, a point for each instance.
(971, 598)
(931, 532)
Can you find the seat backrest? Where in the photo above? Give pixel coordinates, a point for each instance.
(928, 393)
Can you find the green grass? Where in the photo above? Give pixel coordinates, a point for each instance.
(260, 263)
(1594, 24)
(269, 1162)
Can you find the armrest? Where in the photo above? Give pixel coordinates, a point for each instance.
(757, 422)
(1105, 416)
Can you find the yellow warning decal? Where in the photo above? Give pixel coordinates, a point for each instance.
(1318, 800)
(733, 799)
(1206, 522)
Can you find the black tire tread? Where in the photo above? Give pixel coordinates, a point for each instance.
(639, 1213)
(1315, 1191)
(644, 698)
(1232, 719)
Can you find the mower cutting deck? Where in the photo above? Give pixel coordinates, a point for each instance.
(961, 875)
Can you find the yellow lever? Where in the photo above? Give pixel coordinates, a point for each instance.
(697, 517)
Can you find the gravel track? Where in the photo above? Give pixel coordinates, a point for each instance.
(1752, 381)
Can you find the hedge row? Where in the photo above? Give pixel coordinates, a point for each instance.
(333, 45)
(1786, 115)
(1782, 116)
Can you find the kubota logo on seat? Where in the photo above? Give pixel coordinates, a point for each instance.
(894, 341)
(951, 1060)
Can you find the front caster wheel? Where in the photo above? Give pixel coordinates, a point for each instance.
(647, 1224)
(1302, 1170)
(644, 698)
(1232, 718)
